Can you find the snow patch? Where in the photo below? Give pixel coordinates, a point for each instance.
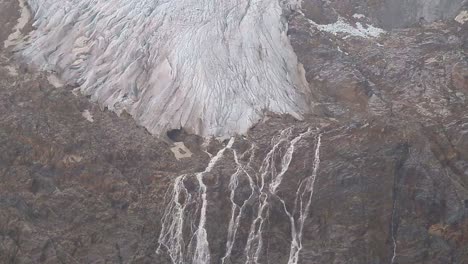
(72, 159)
(11, 71)
(359, 16)
(16, 36)
(88, 116)
(431, 60)
(76, 92)
(181, 151)
(55, 81)
(462, 17)
(341, 26)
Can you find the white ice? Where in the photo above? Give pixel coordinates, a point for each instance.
(210, 67)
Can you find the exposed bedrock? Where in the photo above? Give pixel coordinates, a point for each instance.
(209, 67)
(377, 175)
(460, 76)
(389, 14)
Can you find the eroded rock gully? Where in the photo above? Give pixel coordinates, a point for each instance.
(375, 173)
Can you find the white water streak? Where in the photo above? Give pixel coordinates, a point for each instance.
(171, 236)
(263, 187)
(202, 249)
(286, 160)
(267, 161)
(393, 231)
(307, 193)
(254, 245)
(236, 210)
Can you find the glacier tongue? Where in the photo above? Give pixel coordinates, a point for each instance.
(210, 67)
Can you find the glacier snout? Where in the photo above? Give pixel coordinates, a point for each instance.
(210, 67)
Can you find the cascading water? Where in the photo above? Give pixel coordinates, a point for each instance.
(304, 198)
(171, 236)
(249, 189)
(255, 239)
(202, 250)
(236, 210)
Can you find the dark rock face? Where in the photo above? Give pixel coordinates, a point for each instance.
(80, 185)
(395, 14)
(387, 14)
(460, 76)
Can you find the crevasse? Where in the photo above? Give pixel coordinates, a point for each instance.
(211, 67)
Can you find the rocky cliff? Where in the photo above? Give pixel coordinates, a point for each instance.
(375, 172)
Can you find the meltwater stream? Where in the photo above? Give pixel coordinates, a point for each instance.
(184, 234)
(171, 236)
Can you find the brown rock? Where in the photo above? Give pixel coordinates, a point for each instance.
(460, 76)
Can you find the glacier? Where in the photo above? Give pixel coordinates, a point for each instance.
(213, 68)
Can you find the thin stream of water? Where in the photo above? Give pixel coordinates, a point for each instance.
(248, 188)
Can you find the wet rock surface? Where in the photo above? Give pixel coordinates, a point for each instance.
(78, 184)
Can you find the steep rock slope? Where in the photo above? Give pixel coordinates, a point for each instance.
(387, 14)
(377, 174)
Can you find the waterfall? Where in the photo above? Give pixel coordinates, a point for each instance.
(255, 239)
(236, 210)
(303, 193)
(202, 250)
(393, 232)
(259, 188)
(171, 236)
